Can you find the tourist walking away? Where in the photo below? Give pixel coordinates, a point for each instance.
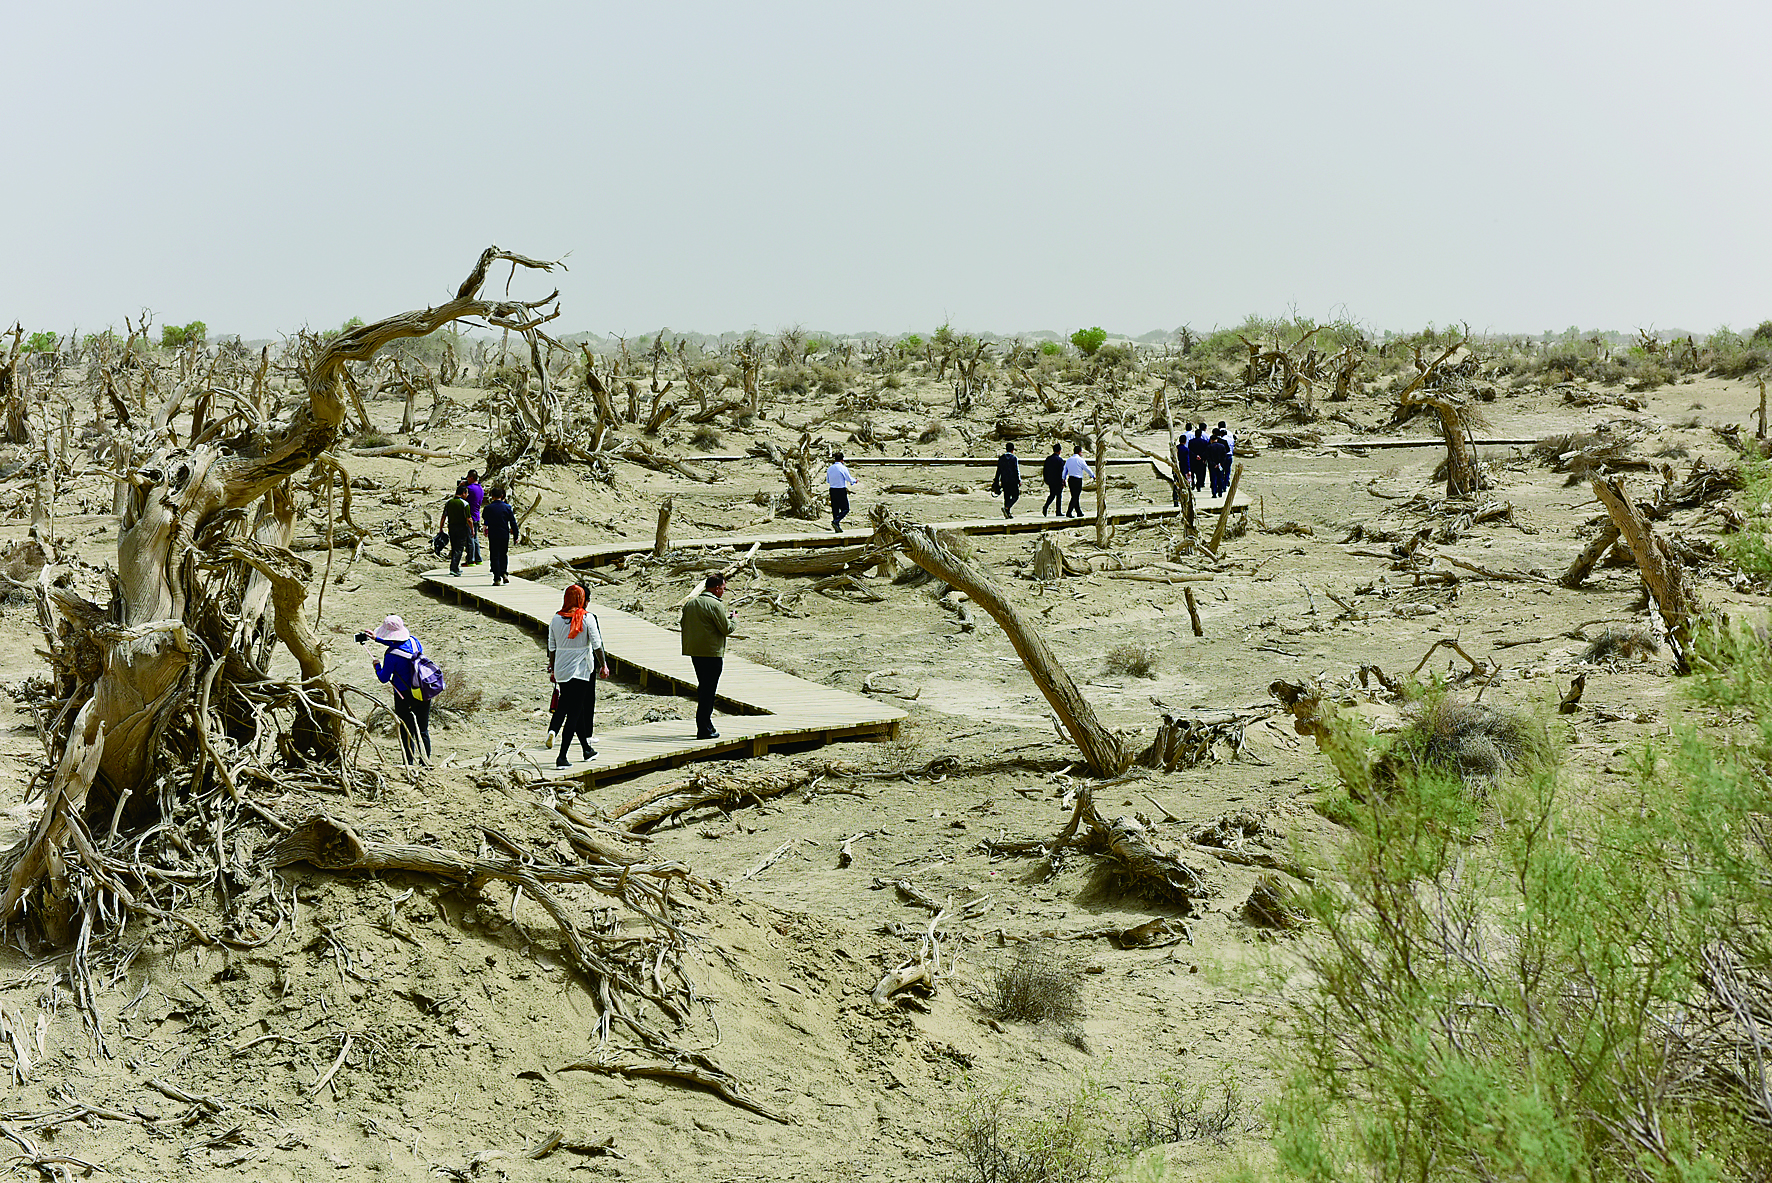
(476, 496)
(1184, 464)
(501, 531)
(398, 666)
(840, 480)
(1052, 472)
(456, 521)
(1008, 479)
(1218, 461)
(706, 625)
(1196, 450)
(1075, 470)
(575, 662)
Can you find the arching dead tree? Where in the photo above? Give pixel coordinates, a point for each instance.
(163, 696)
(1100, 747)
(1456, 417)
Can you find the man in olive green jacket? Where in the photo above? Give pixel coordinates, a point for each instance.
(706, 625)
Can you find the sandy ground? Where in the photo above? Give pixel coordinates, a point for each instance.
(460, 1017)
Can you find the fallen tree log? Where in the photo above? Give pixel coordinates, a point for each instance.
(1590, 555)
(706, 788)
(1100, 747)
(1679, 603)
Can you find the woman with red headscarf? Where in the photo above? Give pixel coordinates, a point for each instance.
(575, 661)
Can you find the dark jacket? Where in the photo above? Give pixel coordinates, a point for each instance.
(705, 626)
(455, 513)
(1197, 449)
(1008, 472)
(1218, 453)
(1053, 470)
(501, 522)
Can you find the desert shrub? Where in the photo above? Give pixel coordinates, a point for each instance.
(957, 544)
(1621, 644)
(44, 342)
(462, 693)
(1750, 548)
(1050, 349)
(1180, 1112)
(1089, 340)
(1577, 997)
(1450, 735)
(1134, 659)
(705, 436)
(372, 438)
(1033, 989)
(1000, 1138)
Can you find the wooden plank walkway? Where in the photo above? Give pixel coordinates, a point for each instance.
(1411, 441)
(764, 707)
(536, 561)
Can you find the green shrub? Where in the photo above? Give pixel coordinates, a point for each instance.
(1088, 341)
(1750, 548)
(1575, 997)
(44, 342)
(1000, 1138)
(1050, 349)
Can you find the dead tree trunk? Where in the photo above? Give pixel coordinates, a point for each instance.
(1101, 522)
(188, 570)
(1590, 554)
(1678, 601)
(1100, 747)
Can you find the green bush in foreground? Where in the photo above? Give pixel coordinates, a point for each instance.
(1551, 985)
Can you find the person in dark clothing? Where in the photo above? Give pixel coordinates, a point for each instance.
(501, 531)
(1184, 464)
(459, 524)
(1052, 472)
(706, 625)
(575, 662)
(1218, 461)
(1196, 450)
(476, 497)
(1008, 479)
(412, 709)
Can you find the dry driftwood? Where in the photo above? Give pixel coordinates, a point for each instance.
(1679, 603)
(1590, 554)
(724, 790)
(1100, 747)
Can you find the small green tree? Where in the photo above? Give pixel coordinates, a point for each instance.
(179, 336)
(1050, 349)
(44, 342)
(1089, 340)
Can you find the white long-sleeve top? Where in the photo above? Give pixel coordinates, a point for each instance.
(574, 656)
(1075, 465)
(838, 476)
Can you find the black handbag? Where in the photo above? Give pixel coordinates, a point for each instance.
(440, 543)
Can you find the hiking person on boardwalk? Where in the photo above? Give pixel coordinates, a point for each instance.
(1008, 478)
(1196, 450)
(1075, 470)
(1052, 472)
(398, 667)
(840, 480)
(575, 662)
(1218, 461)
(476, 498)
(706, 625)
(456, 520)
(501, 531)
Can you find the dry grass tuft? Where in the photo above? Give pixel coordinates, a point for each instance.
(1034, 990)
(1621, 644)
(705, 437)
(1134, 659)
(1476, 742)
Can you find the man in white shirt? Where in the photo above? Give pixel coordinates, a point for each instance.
(840, 480)
(1076, 469)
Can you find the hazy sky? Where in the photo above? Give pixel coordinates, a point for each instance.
(1003, 166)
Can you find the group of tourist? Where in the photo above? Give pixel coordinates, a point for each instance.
(1202, 458)
(472, 510)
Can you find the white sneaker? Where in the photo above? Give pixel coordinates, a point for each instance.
(552, 736)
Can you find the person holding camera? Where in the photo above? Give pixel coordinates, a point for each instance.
(706, 624)
(575, 662)
(398, 668)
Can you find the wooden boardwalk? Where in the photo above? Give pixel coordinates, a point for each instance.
(536, 561)
(763, 707)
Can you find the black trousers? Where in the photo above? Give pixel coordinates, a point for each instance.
(578, 699)
(839, 506)
(1011, 494)
(707, 685)
(1054, 500)
(458, 545)
(500, 546)
(412, 718)
(1076, 483)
